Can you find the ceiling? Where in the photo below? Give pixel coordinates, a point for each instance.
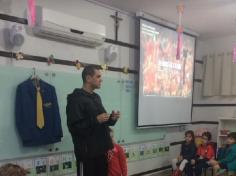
(208, 18)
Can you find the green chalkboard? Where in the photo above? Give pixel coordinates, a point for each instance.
(118, 92)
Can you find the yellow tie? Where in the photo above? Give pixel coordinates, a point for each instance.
(40, 116)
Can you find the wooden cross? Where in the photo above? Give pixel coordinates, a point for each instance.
(117, 20)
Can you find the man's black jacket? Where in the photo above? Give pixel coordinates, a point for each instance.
(90, 137)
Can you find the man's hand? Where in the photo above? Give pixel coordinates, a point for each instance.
(115, 115)
(101, 118)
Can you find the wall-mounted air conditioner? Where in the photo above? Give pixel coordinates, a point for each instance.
(66, 28)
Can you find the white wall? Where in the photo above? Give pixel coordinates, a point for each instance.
(206, 47)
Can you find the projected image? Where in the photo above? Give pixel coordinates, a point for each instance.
(162, 73)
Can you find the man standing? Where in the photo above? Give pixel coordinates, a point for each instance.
(89, 123)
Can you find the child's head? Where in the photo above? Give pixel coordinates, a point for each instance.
(206, 136)
(112, 134)
(189, 136)
(12, 170)
(231, 138)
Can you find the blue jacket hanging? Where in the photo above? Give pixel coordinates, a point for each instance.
(25, 114)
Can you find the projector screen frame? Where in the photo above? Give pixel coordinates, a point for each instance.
(138, 23)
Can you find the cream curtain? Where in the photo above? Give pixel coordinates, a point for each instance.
(219, 78)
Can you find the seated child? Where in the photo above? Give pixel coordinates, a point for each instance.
(117, 165)
(187, 153)
(228, 161)
(12, 170)
(205, 152)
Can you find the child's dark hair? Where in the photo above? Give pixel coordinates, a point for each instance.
(190, 132)
(12, 170)
(207, 134)
(232, 135)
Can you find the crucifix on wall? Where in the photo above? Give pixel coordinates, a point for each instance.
(117, 20)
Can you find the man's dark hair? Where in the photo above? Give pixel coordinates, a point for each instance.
(232, 135)
(207, 134)
(89, 70)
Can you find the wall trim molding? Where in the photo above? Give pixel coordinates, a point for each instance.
(212, 105)
(176, 143)
(204, 122)
(197, 80)
(199, 61)
(12, 55)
